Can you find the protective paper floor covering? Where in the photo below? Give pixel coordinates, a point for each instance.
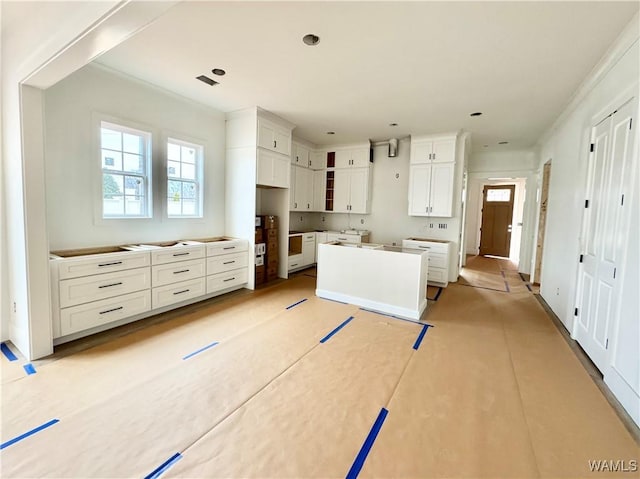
(492, 391)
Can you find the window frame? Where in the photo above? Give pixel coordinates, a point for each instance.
(200, 148)
(125, 127)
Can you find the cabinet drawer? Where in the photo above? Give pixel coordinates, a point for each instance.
(221, 281)
(173, 272)
(432, 247)
(101, 286)
(178, 253)
(101, 263)
(226, 247)
(437, 260)
(295, 262)
(343, 237)
(86, 316)
(436, 275)
(226, 262)
(177, 292)
(309, 237)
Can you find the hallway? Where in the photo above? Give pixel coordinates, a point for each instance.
(280, 383)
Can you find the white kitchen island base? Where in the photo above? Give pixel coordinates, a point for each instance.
(386, 279)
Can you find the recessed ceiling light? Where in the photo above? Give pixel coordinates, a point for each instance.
(477, 113)
(503, 143)
(218, 71)
(331, 133)
(311, 39)
(393, 124)
(485, 146)
(207, 80)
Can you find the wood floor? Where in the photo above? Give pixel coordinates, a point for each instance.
(278, 383)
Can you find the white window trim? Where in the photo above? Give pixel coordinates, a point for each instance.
(186, 140)
(96, 125)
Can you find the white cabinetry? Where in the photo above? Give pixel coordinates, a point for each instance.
(321, 237)
(308, 249)
(300, 155)
(438, 271)
(272, 169)
(352, 190)
(319, 190)
(352, 157)
(431, 176)
(355, 238)
(177, 274)
(274, 137)
(227, 265)
(301, 193)
(317, 160)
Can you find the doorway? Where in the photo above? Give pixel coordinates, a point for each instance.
(497, 217)
(542, 220)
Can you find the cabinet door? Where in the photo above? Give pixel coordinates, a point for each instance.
(282, 141)
(419, 187)
(264, 168)
(292, 188)
(308, 251)
(303, 191)
(266, 134)
(295, 155)
(343, 159)
(360, 157)
(341, 198)
(317, 160)
(359, 191)
(421, 153)
(300, 155)
(281, 169)
(444, 151)
(319, 190)
(441, 203)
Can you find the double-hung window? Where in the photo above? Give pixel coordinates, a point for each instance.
(184, 179)
(126, 171)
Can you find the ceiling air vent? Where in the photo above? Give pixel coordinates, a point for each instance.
(207, 80)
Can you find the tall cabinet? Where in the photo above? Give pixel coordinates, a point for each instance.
(432, 175)
(258, 155)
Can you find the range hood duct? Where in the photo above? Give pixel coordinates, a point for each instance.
(392, 144)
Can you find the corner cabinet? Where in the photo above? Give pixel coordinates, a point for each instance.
(431, 176)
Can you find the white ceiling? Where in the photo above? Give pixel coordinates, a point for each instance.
(424, 65)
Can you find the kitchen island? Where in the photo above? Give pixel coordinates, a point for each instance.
(387, 279)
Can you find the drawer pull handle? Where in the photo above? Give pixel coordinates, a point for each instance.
(343, 239)
(109, 285)
(181, 271)
(230, 279)
(229, 247)
(180, 292)
(180, 254)
(294, 265)
(425, 247)
(229, 262)
(112, 310)
(109, 264)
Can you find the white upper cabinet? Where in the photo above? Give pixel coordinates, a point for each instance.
(274, 137)
(319, 190)
(433, 150)
(432, 176)
(317, 160)
(301, 194)
(355, 157)
(352, 189)
(300, 155)
(272, 169)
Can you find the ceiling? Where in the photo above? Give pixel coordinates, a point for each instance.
(423, 65)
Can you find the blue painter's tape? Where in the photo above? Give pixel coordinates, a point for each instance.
(164, 466)
(208, 346)
(416, 345)
(328, 336)
(528, 287)
(29, 368)
(507, 286)
(522, 277)
(7, 352)
(412, 321)
(296, 304)
(356, 467)
(28, 433)
(502, 273)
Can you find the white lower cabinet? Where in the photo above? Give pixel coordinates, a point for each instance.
(93, 290)
(438, 263)
(308, 249)
(97, 313)
(295, 262)
(222, 281)
(177, 292)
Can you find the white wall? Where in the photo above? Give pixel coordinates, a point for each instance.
(71, 154)
(613, 81)
(389, 221)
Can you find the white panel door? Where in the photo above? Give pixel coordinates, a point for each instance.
(419, 185)
(421, 153)
(359, 191)
(281, 169)
(266, 134)
(303, 192)
(317, 160)
(282, 141)
(441, 197)
(342, 180)
(608, 179)
(343, 159)
(292, 188)
(360, 157)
